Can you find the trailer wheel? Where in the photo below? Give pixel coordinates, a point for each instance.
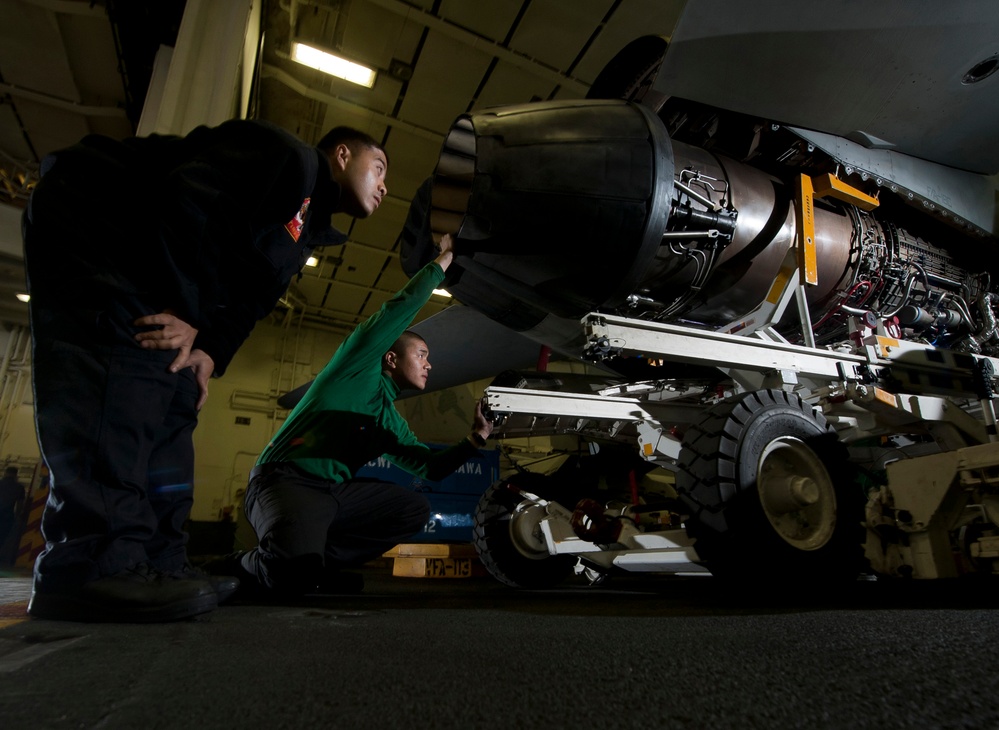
(507, 537)
(770, 492)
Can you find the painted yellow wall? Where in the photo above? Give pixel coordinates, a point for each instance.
(18, 445)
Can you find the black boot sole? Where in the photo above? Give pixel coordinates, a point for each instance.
(69, 607)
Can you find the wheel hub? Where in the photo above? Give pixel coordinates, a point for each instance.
(796, 493)
(525, 530)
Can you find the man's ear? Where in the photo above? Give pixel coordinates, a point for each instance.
(341, 156)
(388, 362)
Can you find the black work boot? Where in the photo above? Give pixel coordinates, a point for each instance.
(139, 594)
(229, 568)
(225, 586)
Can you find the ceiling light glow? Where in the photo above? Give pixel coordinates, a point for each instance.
(24, 297)
(332, 64)
(442, 293)
(312, 261)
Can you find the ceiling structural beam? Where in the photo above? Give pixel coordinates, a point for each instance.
(269, 71)
(87, 110)
(203, 83)
(529, 64)
(291, 7)
(390, 254)
(368, 247)
(69, 7)
(313, 314)
(347, 284)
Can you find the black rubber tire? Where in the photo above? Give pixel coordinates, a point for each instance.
(495, 545)
(717, 484)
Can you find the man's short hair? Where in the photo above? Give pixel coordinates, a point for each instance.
(355, 139)
(404, 340)
(10, 471)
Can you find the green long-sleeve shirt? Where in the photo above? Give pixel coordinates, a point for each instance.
(348, 415)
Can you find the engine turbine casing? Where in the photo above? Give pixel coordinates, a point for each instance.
(565, 208)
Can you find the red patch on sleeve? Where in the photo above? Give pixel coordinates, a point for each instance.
(294, 226)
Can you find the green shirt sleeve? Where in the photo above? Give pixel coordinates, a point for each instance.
(376, 335)
(348, 409)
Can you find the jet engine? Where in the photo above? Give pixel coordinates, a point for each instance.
(678, 213)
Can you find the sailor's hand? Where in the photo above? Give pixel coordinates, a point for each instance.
(481, 424)
(173, 334)
(203, 366)
(445, 251)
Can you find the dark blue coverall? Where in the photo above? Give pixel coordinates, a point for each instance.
(211, 227)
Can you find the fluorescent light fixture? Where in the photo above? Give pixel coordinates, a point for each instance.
(24, 297)
(442, 293)
(332, 64)
(312, 261)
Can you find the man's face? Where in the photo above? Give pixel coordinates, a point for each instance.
(362, 179)
(411, 367)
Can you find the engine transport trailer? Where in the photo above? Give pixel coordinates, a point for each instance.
(798, 334)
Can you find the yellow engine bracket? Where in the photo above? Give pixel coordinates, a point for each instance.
(806, 231)
(821, 186)
(830, 186)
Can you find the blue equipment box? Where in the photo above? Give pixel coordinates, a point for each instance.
(452, 500)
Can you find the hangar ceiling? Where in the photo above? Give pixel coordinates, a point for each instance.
(74, 67)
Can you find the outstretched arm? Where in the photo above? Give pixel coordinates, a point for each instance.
(373, 337)
(417, 458)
